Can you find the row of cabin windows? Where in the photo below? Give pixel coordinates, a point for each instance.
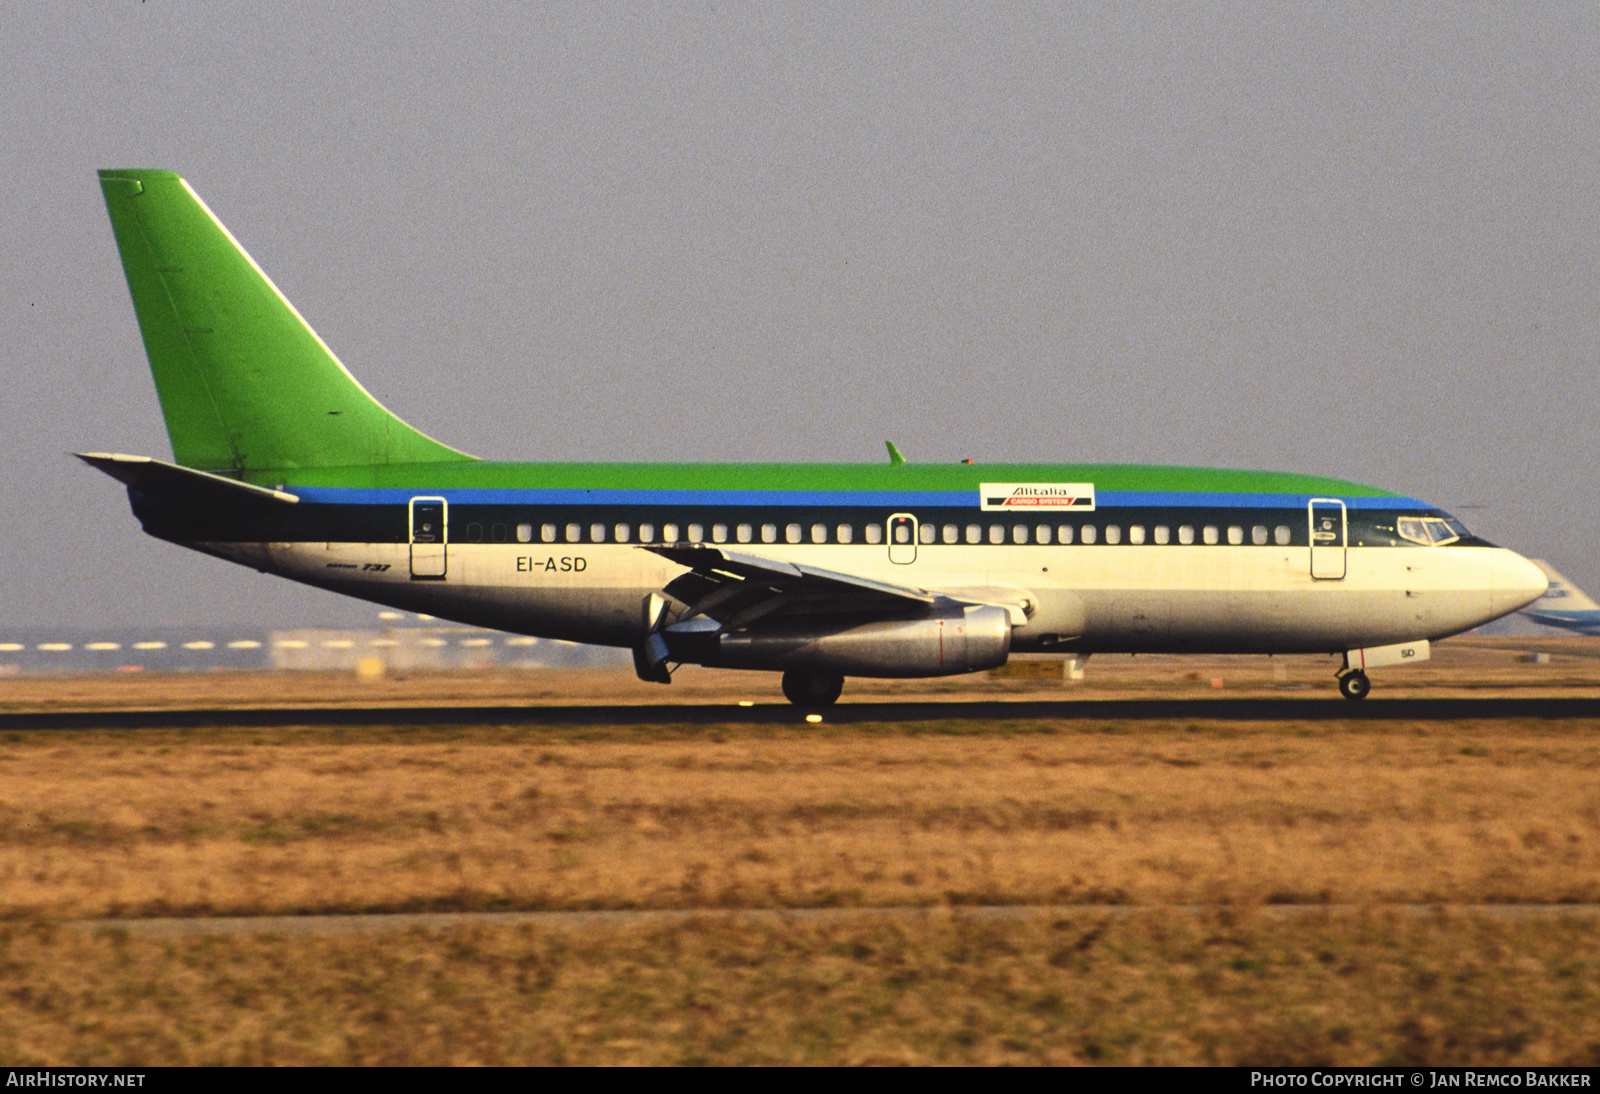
(873, 533)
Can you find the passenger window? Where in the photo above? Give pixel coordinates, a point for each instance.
(719, 533)
(927, 533)
(1235, 534)
(697, 533)
(1019, 533)
(574, 533)
(524, 533)
(791, 533)
(819, 533)
(769, 533)
(547, 533)
(951, 534)
(1136, 533)
(974, 533)
(1113, 533)
(1209, 533)
(1088, 533)
(497, 533)
(597, 533)
(669, 533)
(997, 534)
(1064, 534)
(874, 533)
(744, 533)
(1185, 534)
(1041, 534)
(1163, 534)
(474, 532)
(647, 533)
(846, 533)
(622, 533)
(1258, 535)
(1280, 535)
(902, 532)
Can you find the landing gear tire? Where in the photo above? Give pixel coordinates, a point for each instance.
(812, 690)
(1354, 685)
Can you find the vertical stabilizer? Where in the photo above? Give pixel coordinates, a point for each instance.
(245, 383)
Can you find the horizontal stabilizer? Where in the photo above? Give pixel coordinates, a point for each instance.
(166, 482)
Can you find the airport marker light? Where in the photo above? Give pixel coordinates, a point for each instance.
(132, 652)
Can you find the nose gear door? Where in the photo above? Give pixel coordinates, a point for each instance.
(1329, 527)
(902, 539)
(429, 539)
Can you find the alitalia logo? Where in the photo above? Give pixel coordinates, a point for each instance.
(1034, 496)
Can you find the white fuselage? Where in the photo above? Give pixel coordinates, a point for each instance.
(1104, 598)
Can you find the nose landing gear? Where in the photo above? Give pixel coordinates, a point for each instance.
(1354, 685)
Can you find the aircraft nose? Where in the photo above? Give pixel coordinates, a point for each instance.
(1517, 583)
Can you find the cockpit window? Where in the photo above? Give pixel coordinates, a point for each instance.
(1441, 531)
(1430, 531)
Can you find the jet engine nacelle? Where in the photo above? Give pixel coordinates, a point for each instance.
(946, 644)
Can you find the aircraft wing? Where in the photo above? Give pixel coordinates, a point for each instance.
(736, 588)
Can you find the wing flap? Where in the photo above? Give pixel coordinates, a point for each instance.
(736, 588)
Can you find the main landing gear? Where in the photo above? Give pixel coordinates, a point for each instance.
(1354, 685)
(812, 690)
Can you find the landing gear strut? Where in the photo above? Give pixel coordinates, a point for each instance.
(1354, 685)
(812, 690)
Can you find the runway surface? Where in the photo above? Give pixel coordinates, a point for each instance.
(1101, 710)
(301, 925)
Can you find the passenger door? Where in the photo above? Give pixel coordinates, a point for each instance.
(902, 539)
(429, 539)
(1329, 528)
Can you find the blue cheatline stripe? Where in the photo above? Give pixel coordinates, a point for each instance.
(874, 499)
(1178, 499)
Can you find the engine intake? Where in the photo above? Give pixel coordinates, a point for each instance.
(946, 644)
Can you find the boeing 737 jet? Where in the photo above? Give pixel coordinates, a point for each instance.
(283, 462)
(1563, 604)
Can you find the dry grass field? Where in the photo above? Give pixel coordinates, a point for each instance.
(1171, 989)
(1236, 817)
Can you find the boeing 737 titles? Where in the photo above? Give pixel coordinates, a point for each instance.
(283, 462)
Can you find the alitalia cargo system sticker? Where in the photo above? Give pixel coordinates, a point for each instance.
(1036, 496)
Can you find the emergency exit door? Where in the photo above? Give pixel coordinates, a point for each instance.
(1329, 531)
(429, 539)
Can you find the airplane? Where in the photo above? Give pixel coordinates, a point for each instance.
(283, 462)
(1563, 604)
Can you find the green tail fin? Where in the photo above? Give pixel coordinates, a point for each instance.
(245, 383)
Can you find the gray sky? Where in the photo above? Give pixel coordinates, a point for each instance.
(1359, 240)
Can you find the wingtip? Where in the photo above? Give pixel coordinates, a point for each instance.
(895, 459)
